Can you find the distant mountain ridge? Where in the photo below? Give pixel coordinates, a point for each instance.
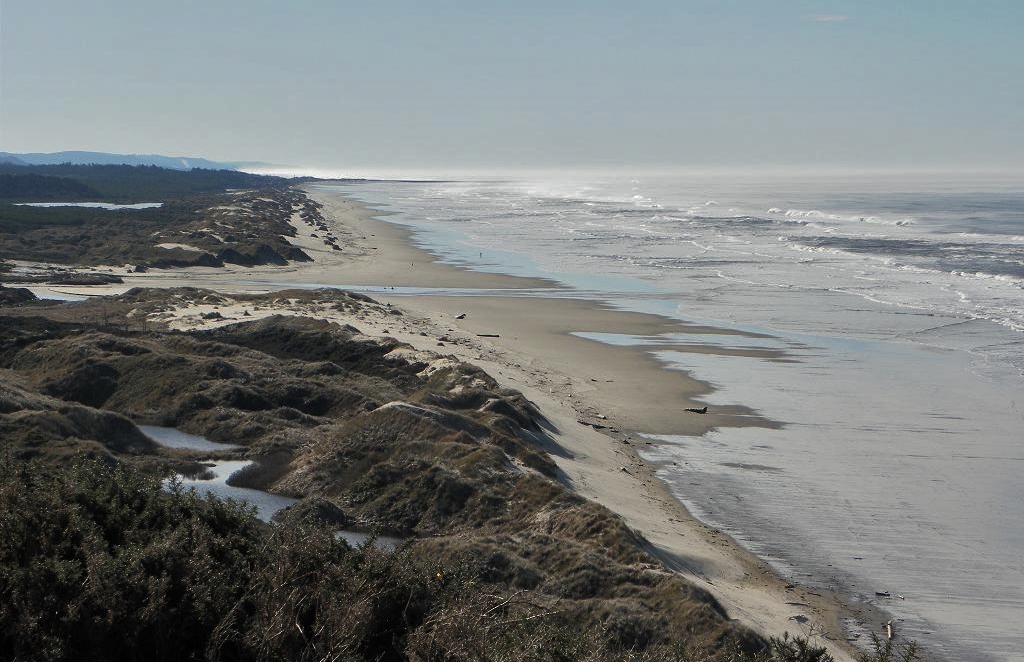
(105, 158)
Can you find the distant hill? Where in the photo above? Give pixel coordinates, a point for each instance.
(121, 183)
(104, 158)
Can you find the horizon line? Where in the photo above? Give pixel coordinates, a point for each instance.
(423, 171)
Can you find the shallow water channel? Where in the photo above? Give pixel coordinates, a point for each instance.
(215, 481)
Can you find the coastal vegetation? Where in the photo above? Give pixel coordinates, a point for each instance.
(245, 228)
(200, 218)
(100, 561)
(44, 188)
(121, 183)
(502, 559)
(104, 555)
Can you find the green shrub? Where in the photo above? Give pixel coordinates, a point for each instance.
(99, 561)
(890, 650)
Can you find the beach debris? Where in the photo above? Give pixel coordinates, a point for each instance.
(888, 630)
(695, 410)
(487, 335)
(460, 316)
(624, 469)
(799, 618)
(883, 594)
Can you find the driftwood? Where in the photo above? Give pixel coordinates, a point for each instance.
(702, 410)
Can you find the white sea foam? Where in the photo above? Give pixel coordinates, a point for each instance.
(802, 214)
(812, 249)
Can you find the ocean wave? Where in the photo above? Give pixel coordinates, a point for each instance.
(802, 244)
(984, 275)
(987, 238)
(804, 214)
(901, 222)
(810, 213)
(812, 249)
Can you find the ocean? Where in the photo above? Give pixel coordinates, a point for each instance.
(898, 301)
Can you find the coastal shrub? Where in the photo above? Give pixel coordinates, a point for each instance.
(99, 561)
(631, 628)
(797, 649)
(890, 650)
(316, 598)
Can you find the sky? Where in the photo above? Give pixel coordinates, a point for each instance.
(463, 84)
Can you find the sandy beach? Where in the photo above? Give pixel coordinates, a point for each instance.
(623, 389)
(599, 399)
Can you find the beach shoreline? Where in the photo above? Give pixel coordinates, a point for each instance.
(598, 398)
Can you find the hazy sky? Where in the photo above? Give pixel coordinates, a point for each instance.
(446, 84)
